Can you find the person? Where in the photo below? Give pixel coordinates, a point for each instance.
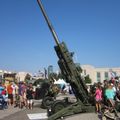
(5, 96)
(10, 95)
(1, 87)
(110, 94)
(21, 92)
(15, 91)
(1, 102)
(24, 98)
(98, 98)
(118, 92)
(29, 96)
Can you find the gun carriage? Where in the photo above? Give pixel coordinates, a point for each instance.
(72, 75)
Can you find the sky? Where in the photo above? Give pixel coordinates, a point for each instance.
(90, 28)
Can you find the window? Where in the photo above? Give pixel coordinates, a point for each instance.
(106, 75)
(98, 77)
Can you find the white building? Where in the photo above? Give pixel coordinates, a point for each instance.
(20, 76)
(99, 74)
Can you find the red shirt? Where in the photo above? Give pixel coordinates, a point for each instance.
(9, 89)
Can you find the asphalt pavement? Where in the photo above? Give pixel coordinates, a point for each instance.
(20, 114)
(24, 114)
(9, 111)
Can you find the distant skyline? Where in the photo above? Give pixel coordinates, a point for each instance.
(90, 28)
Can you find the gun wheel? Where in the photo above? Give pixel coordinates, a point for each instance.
(47, 101)
(57, 106)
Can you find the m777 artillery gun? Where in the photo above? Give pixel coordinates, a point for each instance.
(72, 75)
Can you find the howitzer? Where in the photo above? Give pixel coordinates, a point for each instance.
(72, 75)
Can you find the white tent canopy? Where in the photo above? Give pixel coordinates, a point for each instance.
(60, 81)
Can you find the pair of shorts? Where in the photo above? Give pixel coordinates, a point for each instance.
(10, 96)
(30, 101)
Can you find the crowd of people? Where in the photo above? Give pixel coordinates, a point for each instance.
(17, 95)
(107, 93)
(22, 94)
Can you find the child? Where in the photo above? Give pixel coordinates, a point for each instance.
(29, 96)
(98, 98)
(5, 96)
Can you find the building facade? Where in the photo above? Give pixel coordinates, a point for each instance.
(100, 74)
(50, 69)
(1, 75)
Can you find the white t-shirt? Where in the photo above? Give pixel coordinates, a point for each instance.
(15, 88)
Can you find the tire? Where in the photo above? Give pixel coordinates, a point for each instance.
(46, 102)
(57, 106)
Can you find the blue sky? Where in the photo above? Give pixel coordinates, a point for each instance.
(90, 28)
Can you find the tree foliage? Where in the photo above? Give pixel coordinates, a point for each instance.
(88, 79)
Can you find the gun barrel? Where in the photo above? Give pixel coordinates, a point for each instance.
(48, 22)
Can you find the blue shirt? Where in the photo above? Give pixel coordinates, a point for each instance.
(110, 93)
(1, 89)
